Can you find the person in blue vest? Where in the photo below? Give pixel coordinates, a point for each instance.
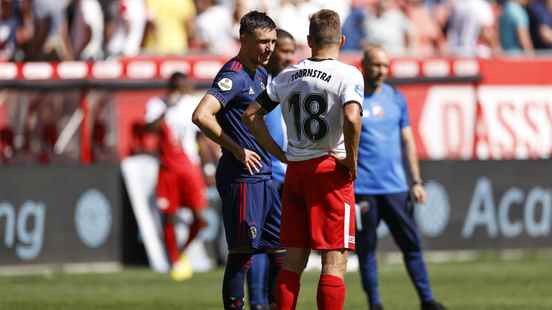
(257, 277)
(381, 188)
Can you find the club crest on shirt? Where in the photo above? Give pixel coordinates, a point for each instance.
(252, 232)
(377, 111)
(225, 84)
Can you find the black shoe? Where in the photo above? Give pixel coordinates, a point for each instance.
(432, 305)
(376, 307)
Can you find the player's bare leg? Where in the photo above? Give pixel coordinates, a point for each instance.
(182, 269)
(289, 278)
(331, 287)
(195, 227)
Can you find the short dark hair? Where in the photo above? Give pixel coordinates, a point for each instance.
(325, 28)
(282, 34)
(255, 20)
(173, 79)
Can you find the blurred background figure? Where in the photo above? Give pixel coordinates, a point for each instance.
(170, 26)
(471, 28)
(214, 28)
(427, 38)
(87, 30)
(386, 25)
(353, 24)
(514, 28)
(293, 17)
(180, 181)
(540, 17)
(51, 37)
(125, 37)
(8, 29)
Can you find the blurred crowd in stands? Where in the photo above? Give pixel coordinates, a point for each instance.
(99, 29)
(43, 125)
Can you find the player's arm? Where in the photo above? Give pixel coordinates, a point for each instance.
(351, 134)
(204, 117)
(253, 117)
(411, 156)
(351, 96)
(209, 153)
(155, 114)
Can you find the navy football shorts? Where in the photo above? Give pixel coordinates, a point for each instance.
(251, 215)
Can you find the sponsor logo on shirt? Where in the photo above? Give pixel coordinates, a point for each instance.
(225, 84)
(251, 91)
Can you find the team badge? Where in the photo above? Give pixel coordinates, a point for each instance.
(359, 90)
(377, 111)
(252, 232)
(225, 84)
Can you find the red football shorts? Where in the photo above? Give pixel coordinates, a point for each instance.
(318, 206)
(180, 188)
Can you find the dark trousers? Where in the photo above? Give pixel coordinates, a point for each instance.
(396, 210)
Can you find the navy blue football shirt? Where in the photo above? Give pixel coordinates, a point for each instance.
(235, 88)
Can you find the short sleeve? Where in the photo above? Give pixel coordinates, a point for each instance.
(401, 100)
(155, 108)
(353, 87)
(272, 88)
(520, 17)
(226, 86)
(486, 16)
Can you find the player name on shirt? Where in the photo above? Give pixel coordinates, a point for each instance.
(311, 73)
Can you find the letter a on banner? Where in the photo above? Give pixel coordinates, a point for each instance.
(482, 210)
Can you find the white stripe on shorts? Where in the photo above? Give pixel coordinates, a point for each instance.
(346, 225)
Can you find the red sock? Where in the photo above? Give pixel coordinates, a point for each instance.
(170, 241)
(287, 290)
(195, 227)
(331, 293)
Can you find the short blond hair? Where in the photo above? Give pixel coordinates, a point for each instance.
(325, 28)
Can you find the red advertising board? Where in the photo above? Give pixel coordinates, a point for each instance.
(507, 114)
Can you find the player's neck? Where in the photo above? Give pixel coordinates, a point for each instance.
(325, 53)
(247, 62)
(372, 88)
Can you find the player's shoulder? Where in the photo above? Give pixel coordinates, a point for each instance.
(349, 70)
(233, 69)
(232, 65)
(394, 92)
(156, 101)
(285, 75)
(230, 75)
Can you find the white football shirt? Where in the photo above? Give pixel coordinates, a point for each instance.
(179, 120)
(312, 94)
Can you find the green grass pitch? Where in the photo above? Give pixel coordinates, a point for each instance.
(484, 284)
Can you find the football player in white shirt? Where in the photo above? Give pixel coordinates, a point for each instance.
(180, 181)
(321, 104)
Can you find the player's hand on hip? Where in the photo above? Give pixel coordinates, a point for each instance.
(350, 164)
(251, 160)
(419, 193)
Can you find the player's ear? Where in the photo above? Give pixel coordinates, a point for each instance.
(243, 39)
(309, 40)
(342, 40)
